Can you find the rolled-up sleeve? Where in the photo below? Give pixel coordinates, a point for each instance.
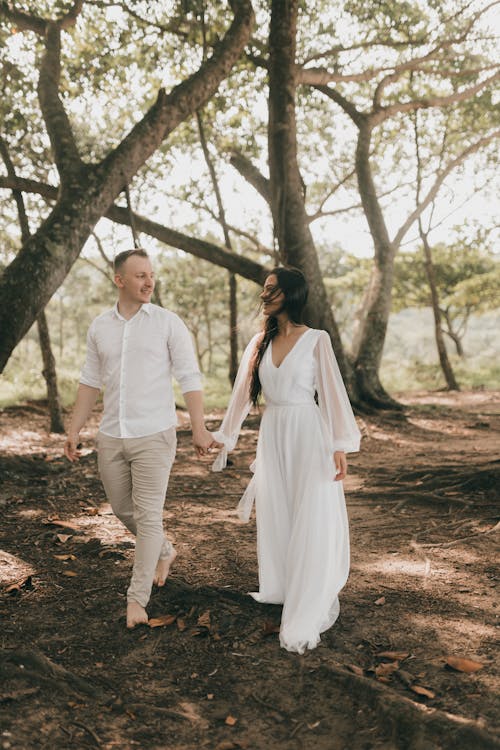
(91, 374)
(184, 365)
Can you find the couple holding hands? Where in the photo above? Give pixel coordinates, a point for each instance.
(307, 427)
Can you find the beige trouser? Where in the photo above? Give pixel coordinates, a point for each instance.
(135, 472)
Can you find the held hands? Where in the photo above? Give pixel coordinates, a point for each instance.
(203, 441)
(72, 447)
(340, 461)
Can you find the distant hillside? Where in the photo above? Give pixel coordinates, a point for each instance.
(410, 356)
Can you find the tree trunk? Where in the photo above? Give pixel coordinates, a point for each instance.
(49, 363)
(233, 299)
(287, 190)
(233, 328)
(452, 334)
(50, 375)
(87, 191)
(446, 367)
(379, 294)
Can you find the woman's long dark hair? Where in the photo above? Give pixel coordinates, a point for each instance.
(293, 284)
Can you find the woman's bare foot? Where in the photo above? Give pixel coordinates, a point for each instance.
(136, 615)
(163, 568)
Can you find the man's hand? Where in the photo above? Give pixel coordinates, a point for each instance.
(340, 461)
(203, 440)
(71, 447)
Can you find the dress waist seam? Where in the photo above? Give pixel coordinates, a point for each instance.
(288, 405)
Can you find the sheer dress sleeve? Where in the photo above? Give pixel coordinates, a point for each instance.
(238, 408)
(341, 428)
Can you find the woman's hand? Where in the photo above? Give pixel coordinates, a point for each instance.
(340, 461)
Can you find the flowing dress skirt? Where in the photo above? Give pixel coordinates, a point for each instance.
(302, 526)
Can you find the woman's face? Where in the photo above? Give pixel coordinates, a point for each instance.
(272, 297)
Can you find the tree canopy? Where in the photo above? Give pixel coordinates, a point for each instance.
(324, 111)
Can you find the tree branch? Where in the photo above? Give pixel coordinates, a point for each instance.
(18, 196)
(171, 28)
(356, 116)
(251, 174)
(50, 192)
(69, 18)
(23, 21)
(171, 109)
(321, 76)
(63, 144)
(431, 195)
(245, 267)
(383, 113)
(31, 22)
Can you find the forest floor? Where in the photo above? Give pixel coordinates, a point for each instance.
(409, 664)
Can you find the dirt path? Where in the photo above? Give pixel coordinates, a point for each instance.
(422, 499)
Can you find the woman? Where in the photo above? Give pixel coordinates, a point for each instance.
(302, 528)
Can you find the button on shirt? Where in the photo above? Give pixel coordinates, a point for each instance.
(134, 361)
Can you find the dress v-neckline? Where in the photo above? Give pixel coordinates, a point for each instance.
(278, 367)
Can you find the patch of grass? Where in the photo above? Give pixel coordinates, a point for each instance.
(471, 374)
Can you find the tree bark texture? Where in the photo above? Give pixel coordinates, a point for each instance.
(378, 297)
(50, 375)
(444, 361)
(88, 191)
(49, 363)
(287, 190)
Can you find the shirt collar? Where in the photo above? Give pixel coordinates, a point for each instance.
(146, 307)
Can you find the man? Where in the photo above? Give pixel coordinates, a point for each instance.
(132, 352)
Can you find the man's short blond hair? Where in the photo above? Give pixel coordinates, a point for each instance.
(125, 255)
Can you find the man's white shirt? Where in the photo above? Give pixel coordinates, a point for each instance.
(134, 361)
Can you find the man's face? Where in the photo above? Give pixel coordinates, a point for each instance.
(135, 280)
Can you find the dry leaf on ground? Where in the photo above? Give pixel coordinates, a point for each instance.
(460, 664)
(355, 669)
(62, 524)
(384, 670)
(422, 691)
(158, 622)
(63, 538)
(394, 655)
(25, 583)
(204, 619)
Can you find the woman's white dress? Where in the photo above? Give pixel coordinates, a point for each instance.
(302, 526)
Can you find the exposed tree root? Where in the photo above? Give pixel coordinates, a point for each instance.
(414, 726)
(36, 667)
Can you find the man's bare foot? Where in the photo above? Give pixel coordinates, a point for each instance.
(136, 615)
(163, 568)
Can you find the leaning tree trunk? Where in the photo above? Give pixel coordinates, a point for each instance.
(379, 294)
(445, 363)
(50, 375)
(291, 226)
(87, 191)
(49, 363)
